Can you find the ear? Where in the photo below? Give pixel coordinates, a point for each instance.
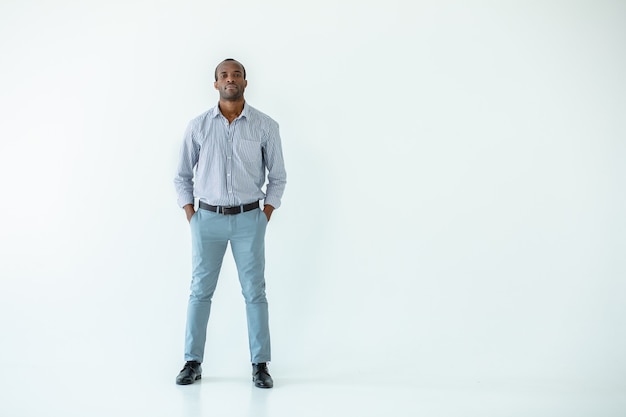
(245, 83)
(215, 85)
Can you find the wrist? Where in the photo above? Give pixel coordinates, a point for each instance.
(189, 208)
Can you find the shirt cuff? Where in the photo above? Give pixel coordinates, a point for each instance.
(184, 200)
(274, 202)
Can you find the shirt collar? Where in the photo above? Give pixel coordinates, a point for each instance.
(215, 112)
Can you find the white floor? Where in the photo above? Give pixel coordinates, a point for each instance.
(143, 389)
(90, 357)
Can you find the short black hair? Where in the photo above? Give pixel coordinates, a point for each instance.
(233, 60)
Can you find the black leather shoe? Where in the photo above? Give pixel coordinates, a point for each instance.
(191, 372)
(261, 376)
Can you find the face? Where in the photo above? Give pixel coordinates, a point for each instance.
(230, 82)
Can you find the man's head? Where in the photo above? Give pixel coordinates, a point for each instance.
(230, 79)
(230, 60)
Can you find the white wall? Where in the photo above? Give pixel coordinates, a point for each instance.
(455, 201)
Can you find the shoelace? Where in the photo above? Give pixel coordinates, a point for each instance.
(189, 365)
(262, 369)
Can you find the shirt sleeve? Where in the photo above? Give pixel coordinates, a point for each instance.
(275, 165)
(183, 182)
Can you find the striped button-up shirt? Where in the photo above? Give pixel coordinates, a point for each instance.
(230, 160)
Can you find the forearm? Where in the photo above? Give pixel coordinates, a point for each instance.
(275, 165)
(277, 180)
(188, 158)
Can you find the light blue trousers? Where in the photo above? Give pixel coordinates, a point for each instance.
(210, 234)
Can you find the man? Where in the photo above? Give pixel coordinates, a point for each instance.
(230, 148)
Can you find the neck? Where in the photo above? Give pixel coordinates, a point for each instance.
(231, 109)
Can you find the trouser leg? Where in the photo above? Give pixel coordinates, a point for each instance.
(248, 246)
(208, 247)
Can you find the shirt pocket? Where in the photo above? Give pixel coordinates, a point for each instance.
(249, 150)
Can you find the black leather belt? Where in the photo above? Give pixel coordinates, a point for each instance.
(229, 210)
